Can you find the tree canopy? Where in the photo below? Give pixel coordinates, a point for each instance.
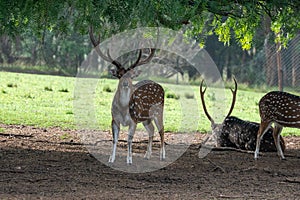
(229, 20)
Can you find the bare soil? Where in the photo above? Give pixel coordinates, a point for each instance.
(53, 164)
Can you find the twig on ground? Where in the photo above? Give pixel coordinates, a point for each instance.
(238, 196)
(228, 149)
(292, 180)
(216, 166)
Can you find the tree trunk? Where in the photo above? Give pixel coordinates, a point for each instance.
(279, 66)
(6, 49)
(294, 77)
(270, 71)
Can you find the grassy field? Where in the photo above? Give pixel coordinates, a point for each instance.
(70, 103)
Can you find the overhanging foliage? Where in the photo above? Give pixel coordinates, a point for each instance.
(233, 19)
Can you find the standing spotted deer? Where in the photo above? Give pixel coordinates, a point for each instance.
(133, 103)
(237, 133)
(282, 109)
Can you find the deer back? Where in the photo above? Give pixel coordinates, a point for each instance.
(243, 135)
(147, 101)
(280, 107)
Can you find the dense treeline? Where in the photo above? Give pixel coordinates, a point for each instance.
(54, 33)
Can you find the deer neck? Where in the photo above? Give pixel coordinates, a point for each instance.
(124, 97)
(123, 94)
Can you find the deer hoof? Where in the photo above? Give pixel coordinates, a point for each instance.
(147, 155)
(282, 158)
(162, 156)
(129, 160)
(111, 159)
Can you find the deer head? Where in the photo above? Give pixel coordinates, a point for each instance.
(120, 70)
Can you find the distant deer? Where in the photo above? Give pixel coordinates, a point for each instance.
(237, 133)
(282, 109)
(142, 102)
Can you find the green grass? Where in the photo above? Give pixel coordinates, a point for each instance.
(70, 103)
(30, 103)
(2, 130)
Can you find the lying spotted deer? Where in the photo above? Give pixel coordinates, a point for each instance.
(134, 103)
(282, 109)
(237, 133)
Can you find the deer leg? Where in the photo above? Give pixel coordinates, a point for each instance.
(159, 124)
(150, 129)
(131, 132)
(276, 136)
(115, 133)
(263, 128)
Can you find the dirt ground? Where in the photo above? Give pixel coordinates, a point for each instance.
(53, 164)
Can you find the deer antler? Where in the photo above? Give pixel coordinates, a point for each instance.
(202, 92)
(96, 43)
(233, 98)
(120, 71)
(138, 62)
